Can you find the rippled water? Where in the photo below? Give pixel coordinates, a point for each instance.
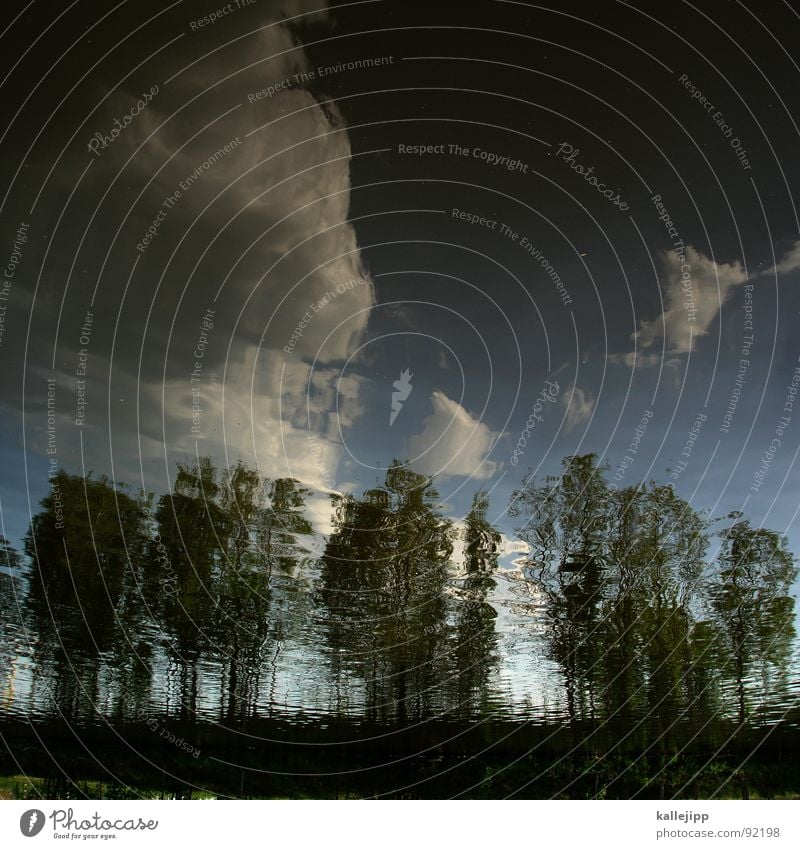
(220, 644)
(499, 664)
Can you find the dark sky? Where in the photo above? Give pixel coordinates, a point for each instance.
(331, 255)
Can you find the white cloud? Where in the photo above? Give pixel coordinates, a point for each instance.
(452, 442)
(790, 262)
(579, 404)
(694, 292)
(279, 255)
(269, 414)
(277, 228)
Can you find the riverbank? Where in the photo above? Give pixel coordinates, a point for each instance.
(441, 759)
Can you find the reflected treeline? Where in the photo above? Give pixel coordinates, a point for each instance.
(642, 623)
(385, 592)
(220, 600)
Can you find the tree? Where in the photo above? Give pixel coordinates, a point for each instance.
(240, 501)
(86, 548)
(281, 520)
(474, 638)
(264, 518)
(620, 570)
(382, 583)
(666, 546)
(219, 538)
(750, 600)
(481, 539)
(567, 530)
(9, 557)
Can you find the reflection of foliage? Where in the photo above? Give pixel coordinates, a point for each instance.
(223, 540)
(382, 582)
(87, 548)
(100, 574)
(750, 602)
(281, 520)
(241, 630)
(639, 625)
(474, 637)
(90, 562)
(9, 556)
(566, 532)
(482, 541)
(623, 573)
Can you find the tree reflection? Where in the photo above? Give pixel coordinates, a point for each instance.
(202, 601)
(628, 590)
(382, 584)
(474, 636)
(222, 538)
(86, 548)
(751, 606)
(566, 530)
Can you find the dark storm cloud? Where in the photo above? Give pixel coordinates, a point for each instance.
(207, 246)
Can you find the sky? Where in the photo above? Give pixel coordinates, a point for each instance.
(475, 237)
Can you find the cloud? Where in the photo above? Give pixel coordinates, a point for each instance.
(579, 405)
(789, 263)
(268, 221)
(636, 359)
(452, 442)
(694, 291)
